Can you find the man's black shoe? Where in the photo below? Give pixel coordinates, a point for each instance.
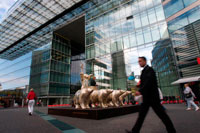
(30, 114)
(127, 131)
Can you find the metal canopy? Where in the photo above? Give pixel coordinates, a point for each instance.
(19, 28)
(186, 80)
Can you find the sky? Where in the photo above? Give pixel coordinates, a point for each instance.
(4, 6)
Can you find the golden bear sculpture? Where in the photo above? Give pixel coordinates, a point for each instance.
(113, 98)
(122, 97)
(102, 97)
(81, 98)
(99, 97)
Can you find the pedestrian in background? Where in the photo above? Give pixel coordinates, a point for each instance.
(189, 97)
(31, 101)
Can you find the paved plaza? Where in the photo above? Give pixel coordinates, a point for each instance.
(17, 120)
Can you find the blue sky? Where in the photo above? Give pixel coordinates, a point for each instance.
(4, 6)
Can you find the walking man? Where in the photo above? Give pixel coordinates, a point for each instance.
(31, 101)
(149, 91)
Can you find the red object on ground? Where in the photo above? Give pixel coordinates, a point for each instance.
(198, 60)
(163, 102)
(136, 103)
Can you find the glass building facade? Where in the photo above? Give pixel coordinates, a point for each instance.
(115, 33)
(186, 43)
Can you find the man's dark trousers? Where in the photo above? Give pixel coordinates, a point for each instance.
(159, 110)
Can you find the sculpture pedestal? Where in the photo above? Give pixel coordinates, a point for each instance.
(94, 113)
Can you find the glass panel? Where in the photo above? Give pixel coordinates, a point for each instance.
(119, 44)
(144, 19)
(173, 7)
(135, 7)
(133, 40)
(140, 37)
(126, 42)
(147, 35)
(141, 4)
(113, 46)
(159, 13)
(152, 16)
(193, 16)
(156, 2)
(163, 30)
(137, 21)
(149, 3)
(155, 32)
(188, 2)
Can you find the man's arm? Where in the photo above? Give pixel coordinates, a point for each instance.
(148, 80)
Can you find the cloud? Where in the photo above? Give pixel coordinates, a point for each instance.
(22, 81)
(4, 6)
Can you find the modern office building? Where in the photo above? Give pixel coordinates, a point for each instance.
(43, 43)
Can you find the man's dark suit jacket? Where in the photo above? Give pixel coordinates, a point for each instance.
(148, 86)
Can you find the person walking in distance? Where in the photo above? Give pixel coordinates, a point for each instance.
(149, 91)
(189, 97)
(31, 101)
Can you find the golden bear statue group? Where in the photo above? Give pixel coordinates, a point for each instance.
(103, 98)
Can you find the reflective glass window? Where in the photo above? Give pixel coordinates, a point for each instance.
(135, 8)
(140, 37)
(152, 16)
(156, 2)
(147, 35)
(133, 40)
(149, 3)
(130, 25)
(159, 13)
(126, 42)
(141, 4)
(163, 30)
(155, 32)
(122, 12)
(119, 44)
(137, 21)
(113, 46)
(173, 7)
(194, 15)
(144, 19)
(128, 10)
(188, 2)
(124, 27)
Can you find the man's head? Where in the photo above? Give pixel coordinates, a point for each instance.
(186, 85)
(142, 61)
(94, 78)
(31, 89)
